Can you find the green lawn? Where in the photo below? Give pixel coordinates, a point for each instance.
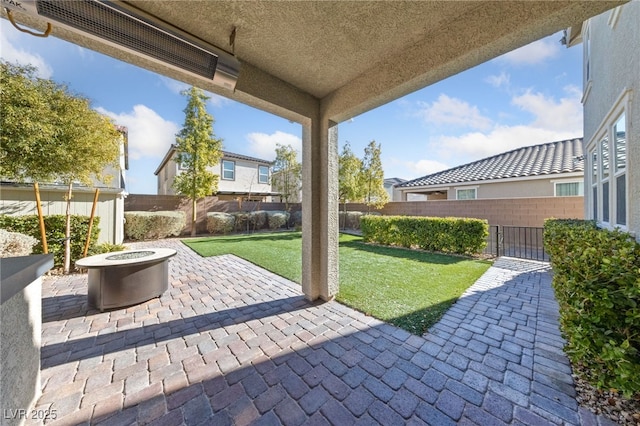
(411, 289)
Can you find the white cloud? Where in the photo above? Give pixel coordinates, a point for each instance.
(533, 53)
(498, 81)
(553, 120)
(476, 145)
(13, 54)
(149, 134)
(174, 86)
(263, 145)
(451, 111)
(417, 168)
(178, 87)
(564, 115)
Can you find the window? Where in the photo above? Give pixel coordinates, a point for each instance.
(466, 194)
(228, 170)
(608, 170)
(604, 176)
(263, 174)
(569, 189)
(619, 155)
(182, 160)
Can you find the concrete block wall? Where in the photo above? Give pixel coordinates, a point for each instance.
(505, 212)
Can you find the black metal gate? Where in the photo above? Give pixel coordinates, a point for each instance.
(523, 242)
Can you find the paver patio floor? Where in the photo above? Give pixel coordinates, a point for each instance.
(230, 343)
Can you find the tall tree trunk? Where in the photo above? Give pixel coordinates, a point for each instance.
(67, 232)
(194, 216)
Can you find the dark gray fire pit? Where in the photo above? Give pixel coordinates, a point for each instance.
(125, 278)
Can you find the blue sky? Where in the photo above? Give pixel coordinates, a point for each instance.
(526, 97)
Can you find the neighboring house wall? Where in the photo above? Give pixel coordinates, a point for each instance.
(521, 188)
(245, 178)
(237, 175)
(611, 98)
(19, 200)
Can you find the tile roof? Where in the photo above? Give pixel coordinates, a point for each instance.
(227, 154)
(545, 159)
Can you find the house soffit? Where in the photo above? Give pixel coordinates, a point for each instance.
(345, 57)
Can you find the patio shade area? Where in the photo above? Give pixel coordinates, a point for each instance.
(319, 63)
(230, 343)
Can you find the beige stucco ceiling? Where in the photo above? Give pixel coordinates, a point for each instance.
(348, 56)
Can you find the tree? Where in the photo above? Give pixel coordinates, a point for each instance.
(197, 149)
(49, 134)
(373, 177)
(350, 187)
(287, 173)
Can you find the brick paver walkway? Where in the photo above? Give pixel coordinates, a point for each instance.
(231, 343)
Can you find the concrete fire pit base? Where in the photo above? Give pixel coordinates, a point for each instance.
(126, 278)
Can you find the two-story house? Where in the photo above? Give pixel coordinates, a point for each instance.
(241, 177)
(611, 103)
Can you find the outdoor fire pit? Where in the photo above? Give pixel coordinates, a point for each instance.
(125, 278)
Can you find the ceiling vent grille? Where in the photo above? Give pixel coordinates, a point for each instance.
(120, 26)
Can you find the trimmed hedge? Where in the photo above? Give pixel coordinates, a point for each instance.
(597, 284)
(55, 226)
(447, 235)
(277, 219)
(153, 225)
(220, 223)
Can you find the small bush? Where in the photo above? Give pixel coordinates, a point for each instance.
(241, 221)
(277, 219)
(13, 244)
(349, 220)
(258, 219)
(153, 225)
(107, 248)
(55, 230)
(447, 235)
(596, 280)
(220, 223)
(296, 219)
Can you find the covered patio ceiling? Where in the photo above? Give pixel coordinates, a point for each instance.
(350, 55)
(319, 63)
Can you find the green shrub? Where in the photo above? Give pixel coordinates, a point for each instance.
(258, 219)
(107, 248)
(220, 223)
(349, 220)
(241, 221)
(277, 219)
(436, 234)
(14, 244)
(597, 284)
(55, 230)
(296, 219)
(153, 225)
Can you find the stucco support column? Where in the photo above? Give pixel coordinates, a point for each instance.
(320, 209)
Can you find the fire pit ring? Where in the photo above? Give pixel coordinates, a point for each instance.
(125, 278)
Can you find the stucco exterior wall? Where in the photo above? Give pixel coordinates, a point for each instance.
(20, 200)
(21, 329)
(521, 188)
(246, 178)
(614, 68)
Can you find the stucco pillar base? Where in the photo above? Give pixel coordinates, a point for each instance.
(320, 210)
